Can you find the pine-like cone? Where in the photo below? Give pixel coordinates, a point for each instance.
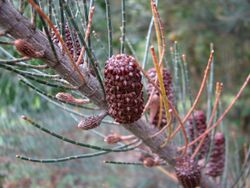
(216, 162)
(188, 172)
(71, 41)
(197, 126)
(123, 88)
(167, 79)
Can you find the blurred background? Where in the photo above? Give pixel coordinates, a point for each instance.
(194, 24)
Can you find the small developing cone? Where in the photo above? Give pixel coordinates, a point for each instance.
(113, 138)
(71, 40)
(27, 49)
(167, 79)
(92, 121)
(67, 97)
(123, 88)
(188, 172)
(196, 127)
(215, 166)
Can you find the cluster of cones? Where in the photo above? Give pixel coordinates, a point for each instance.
(187, 169)
(124, 96)
(119, 86)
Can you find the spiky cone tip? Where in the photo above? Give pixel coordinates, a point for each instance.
(188, 172)
(123, 88)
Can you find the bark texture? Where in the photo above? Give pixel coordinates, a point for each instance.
(12, 22)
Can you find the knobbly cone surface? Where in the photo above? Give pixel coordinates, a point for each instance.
(123, 88)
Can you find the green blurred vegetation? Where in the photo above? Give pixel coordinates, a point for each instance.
(194, 24)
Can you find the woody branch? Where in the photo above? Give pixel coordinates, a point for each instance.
(19, 27)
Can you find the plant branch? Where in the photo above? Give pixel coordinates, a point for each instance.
(20, 27)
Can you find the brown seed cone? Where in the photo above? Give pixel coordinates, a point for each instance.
(123, 88)
(188, 172)
(27, 49)
(215, 166)
(197, 126)
(167, 79)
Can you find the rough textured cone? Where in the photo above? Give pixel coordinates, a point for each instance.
(188, 172)
(90, 122)
(167, 79)
(197, 126)
(123, 88)
(215, 166)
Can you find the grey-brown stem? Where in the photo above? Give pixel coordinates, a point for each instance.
(20, 28)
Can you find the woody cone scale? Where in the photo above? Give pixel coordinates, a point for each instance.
(123, 88)
(188, 172)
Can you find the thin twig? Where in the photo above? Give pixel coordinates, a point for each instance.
(13, 61)
(74, 142)
(162, 87)
(87, 33)
(217, 99)
(109, 26)
(210, 86)
(41, 13)
(6, 43)
(88, 50)
(198, 95)
(167, 173)
(162, 42)
(123, 26)
(158, 34)
(223, 115)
